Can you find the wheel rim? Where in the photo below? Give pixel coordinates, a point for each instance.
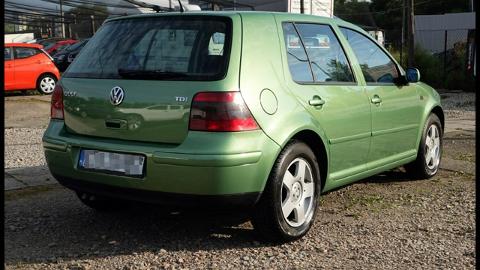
(47, 84)
(432, 147)
(297, 193)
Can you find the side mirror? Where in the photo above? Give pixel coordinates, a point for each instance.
(413, 75)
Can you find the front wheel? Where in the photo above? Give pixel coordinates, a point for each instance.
(429, 152)
(287, 208)
(46, 84)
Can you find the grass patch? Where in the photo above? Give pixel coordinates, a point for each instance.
(465, 157)
(371, 202)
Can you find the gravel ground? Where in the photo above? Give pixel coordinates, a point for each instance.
(384, 222)
(23, 147)
(458, 105)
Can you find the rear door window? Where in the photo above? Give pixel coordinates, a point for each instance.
(327, 58)
(8, 53)
(22, 52)
(159, 48)
(296, 55)
(314, 54)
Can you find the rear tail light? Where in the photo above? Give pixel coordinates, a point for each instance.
(56, 108)
(220, 111)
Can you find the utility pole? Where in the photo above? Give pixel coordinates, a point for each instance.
(411, 33)
(92, 17)
(302, 7)
(402, 45)
(61, 19)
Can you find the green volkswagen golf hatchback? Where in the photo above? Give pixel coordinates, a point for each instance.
(258, 109)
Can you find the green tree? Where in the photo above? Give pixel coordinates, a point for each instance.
(9, 28)
(387, 14)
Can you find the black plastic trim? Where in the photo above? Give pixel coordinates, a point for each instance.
(158, 197)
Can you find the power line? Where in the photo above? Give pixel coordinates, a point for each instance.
(387, 11)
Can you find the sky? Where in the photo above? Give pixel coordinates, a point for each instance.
(47, 4)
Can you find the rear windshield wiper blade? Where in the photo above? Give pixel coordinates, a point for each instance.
(149, 74)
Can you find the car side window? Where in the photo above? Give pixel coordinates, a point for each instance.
(327, 57)
(22, 52)
(8, 53)
(376, 65)
(296, 55)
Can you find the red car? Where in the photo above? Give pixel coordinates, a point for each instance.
(59, 45)
(28, 66)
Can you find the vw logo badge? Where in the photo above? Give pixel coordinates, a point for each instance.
(116, 95)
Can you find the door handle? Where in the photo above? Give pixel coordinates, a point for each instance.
(316, 101)
(376, 99)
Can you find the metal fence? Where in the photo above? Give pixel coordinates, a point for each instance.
(454, 51)
(449, 39)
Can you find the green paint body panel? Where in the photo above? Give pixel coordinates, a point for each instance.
(204, 164)
(359, 138)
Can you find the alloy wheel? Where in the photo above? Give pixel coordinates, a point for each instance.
(297, 193)
(432, 147)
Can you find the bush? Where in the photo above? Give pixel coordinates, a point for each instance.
(431, 68)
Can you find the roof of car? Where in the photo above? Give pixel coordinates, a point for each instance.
(30, 45)
(66, 41)
(292, 16)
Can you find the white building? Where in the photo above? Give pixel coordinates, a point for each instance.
(314, 7)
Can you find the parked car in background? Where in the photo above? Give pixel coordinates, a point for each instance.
(47, 41)
(28, 66)
(53, 48)
(192, 108)
(63, 58)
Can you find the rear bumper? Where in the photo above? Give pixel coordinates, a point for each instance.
(229, 165)
(162, 198)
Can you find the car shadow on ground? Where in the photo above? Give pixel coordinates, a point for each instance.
(51, 225)
(21, 93)
(393, 176)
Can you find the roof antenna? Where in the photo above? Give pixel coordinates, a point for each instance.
(181, 6)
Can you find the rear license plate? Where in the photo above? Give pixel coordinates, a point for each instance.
(111, 162)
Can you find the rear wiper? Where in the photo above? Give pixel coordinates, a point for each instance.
(149, 74)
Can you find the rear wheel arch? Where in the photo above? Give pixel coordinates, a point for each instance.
(39, 80)
(315, 142)
(47, 73)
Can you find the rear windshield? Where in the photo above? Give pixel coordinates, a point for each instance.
(157, 48)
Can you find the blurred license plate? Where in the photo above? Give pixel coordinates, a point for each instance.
(110, 162)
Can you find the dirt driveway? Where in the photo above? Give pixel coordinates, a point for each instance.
(385, 222)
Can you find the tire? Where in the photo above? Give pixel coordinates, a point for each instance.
(268, 219)
(427, 163)
(46, 84)
(100, 203)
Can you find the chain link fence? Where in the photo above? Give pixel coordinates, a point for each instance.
(445, 48)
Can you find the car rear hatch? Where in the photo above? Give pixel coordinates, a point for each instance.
(136, 78)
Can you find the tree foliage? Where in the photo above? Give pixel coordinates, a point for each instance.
(387, 14)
